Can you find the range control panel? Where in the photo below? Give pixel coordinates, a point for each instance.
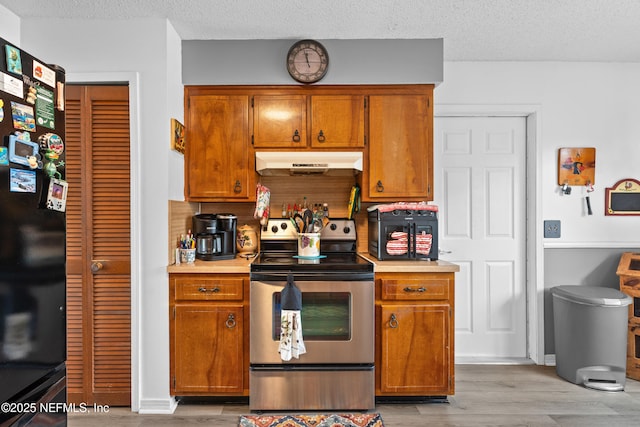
(284, 229)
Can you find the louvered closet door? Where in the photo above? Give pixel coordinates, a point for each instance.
(98, 245)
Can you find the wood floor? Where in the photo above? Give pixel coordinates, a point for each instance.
(486, 395)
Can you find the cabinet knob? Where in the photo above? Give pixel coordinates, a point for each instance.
(231, 321)
(393, 321)
(379, 187)
(238, 187)
(321, 137)
(96, 266)
(296, 136)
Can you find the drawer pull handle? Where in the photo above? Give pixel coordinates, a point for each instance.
(231, 321)
(393, 321)
(420, 289)
(205, 290)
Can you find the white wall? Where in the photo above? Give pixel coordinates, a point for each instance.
(263, 62)
(150, 50)
(175, 106)
(581, 105)
(9, 26)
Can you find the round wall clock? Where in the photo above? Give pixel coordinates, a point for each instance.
(307, 61)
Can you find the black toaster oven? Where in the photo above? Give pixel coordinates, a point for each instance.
(403, 231)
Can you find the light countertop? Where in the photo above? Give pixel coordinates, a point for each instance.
(410, 266)
(242, 265)
(237, 265)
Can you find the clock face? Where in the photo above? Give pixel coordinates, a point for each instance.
(307, 61)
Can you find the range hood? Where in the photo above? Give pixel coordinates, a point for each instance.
(281, 163)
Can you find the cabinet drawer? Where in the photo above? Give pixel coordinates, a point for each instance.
(414, 289)
(207, 289)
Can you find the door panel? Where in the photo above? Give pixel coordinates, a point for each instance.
(98, 245)
(337, 121)
(400, 146)
(415, 351)
(280, 121)
(481, 192)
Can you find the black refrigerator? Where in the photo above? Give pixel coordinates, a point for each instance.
(32, 240)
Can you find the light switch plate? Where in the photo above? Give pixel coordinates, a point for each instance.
(552, 229)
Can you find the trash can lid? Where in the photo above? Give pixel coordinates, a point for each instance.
(592, 295)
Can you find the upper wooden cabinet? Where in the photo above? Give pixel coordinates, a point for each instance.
(219, 161)
(400, 162)
(279, 121)
(392, 125)
(317, 121)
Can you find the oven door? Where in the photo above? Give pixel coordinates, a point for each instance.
(337, 322)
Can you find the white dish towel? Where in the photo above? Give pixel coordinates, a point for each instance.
(291, 341)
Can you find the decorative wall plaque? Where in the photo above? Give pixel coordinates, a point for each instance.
(623, 198)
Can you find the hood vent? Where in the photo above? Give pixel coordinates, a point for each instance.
(284, 163)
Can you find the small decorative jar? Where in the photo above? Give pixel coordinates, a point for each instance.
(247, 240)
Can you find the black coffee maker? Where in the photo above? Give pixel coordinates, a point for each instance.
(215, 236)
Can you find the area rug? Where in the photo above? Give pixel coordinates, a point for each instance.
(331, 420)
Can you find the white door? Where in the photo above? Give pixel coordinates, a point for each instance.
(479, 165)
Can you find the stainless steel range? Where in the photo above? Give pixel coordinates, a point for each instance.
(337, 316)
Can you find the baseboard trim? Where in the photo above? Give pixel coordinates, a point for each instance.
(158, 406)
(493, 361)
(549, 360)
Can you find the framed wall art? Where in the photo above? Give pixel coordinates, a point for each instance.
(577, 166)
(177, 136)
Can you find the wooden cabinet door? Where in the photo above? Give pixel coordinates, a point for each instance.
(337, 121)
(415, 353)
(218, 161)
(208, 350)
(279, 121)
(400, 165)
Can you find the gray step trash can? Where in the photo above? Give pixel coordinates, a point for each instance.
(590, 330)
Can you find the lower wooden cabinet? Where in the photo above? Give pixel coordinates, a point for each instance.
(209, 334)
(208, 330)
(414, 334)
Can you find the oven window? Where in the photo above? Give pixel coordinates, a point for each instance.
(326, 316)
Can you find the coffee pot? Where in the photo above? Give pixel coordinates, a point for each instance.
(215, 236)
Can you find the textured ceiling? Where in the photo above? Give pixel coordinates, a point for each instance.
(473, 30)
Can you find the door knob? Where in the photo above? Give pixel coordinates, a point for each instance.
(96, 266)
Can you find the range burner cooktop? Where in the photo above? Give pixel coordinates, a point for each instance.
(329, 262)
